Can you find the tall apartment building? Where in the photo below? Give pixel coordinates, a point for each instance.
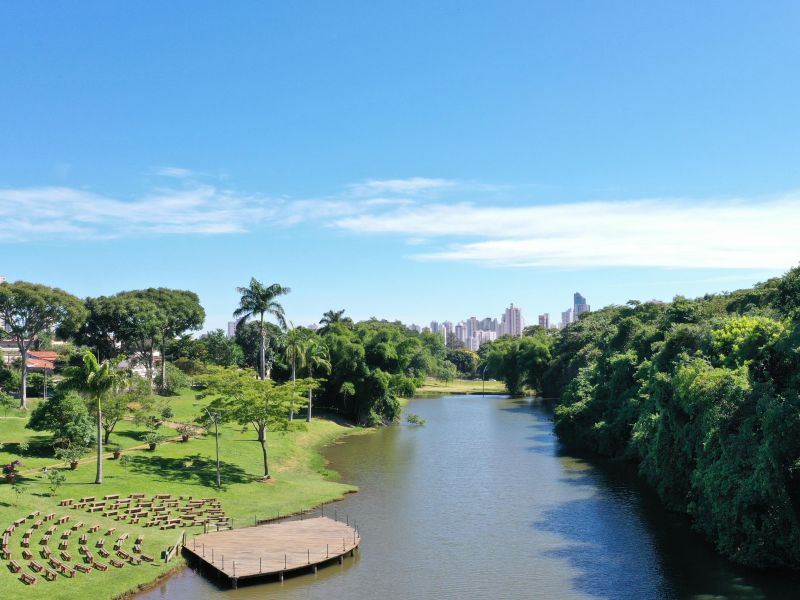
(512, 321)
(579, 306)
(231, 329)
(461, 332)
(566, 317)
(544, 320)
(448, 328)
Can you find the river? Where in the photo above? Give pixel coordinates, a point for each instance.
(483, 502)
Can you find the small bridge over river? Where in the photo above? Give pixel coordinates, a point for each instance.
(273, 550)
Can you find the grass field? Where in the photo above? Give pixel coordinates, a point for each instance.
(461, 386)
(300, 481)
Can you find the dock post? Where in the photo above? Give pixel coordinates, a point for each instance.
(341, 559)
(204, 549)
(223, 562)
(309, 555)
(259, 564)
(327, 551)
(284, 562)
(234, 569)
(280, 576)
(212, 556)
(315, 569)
(235, 583)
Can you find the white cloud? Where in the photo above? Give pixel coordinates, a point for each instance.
(73, 213)
(410, 186)
(176, 172)
(649, 233)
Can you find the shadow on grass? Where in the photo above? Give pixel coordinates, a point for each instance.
(194, 470)
(39, 446)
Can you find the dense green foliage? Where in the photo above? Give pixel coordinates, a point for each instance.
(704, 395)
(64, 415)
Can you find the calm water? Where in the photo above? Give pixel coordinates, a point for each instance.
(483, 503)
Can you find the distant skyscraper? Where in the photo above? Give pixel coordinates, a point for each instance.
(566, 317)
(512, 321)
(544, 320)
(472, 326)
(461, 332)
(448, 328)
(579, 306)
(415, 327)
(231, 329)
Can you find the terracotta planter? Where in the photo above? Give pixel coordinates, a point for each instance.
(73, 465)
(184, 438)
(11, 477)
(152, 447)
(117, 454)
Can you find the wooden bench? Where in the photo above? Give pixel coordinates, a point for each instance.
(89, 499)
(66, 535)
(83, 540)
(137, 548)
(19, 522)
(77, 526)
(63, 545)
(27, 554)
(111, 497)
(45, 539)
(35, 566)
(49, 574)
(137, 495)
(46, 551)
(168, 526)
(111, 513)
(29, 579)
(66, 502)
(93, 509)
(146, 557)
(34, 514)
(116, 563)
(64, 519)
(83, 568)
(50, 516)
(83, 550)
(66, 556)
(6, 552)
(37, 524)
(111, 531)
(104, 553)
(14, 566)
(51, 530)
(100, 542)
(100, 566)
(123, 555)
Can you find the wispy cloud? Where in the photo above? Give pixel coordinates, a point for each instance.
(175, 172)
(410, 187)
(74, 213)
(732, 233)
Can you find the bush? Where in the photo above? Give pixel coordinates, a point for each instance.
(175, 380)
(413, 419)
(66, 416)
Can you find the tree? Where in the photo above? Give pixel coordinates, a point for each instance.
(296, 341)
(346, 389)
(30, 310)
(258, 403)
(180, 312)
(259, 301)
(65, 415)
(97, 381)
(316, 358)
(466, 361)
(220, 350)
(332, 318)
(171, 379)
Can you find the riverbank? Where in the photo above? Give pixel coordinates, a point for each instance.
(300, 481)
(461, 386)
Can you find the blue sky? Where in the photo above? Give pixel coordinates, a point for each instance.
(409, 160)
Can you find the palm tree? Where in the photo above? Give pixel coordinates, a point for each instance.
(96, 380)
(258, 301)
(316, 357)
(331, 318)
(295, 354)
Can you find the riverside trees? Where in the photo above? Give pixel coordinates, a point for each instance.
(259, 302)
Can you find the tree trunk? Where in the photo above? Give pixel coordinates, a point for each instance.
(163, 368)
(262, 438)
(23, 400)
(310, 394)
(294, 379)
(262, 350)
(99, 477)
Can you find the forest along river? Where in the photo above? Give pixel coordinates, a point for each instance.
(482, 502)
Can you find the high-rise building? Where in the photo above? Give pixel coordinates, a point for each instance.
(579, 306)
(448, 328)
(472, 326)
(231, 329)
(544, 320)
(566, 317)
(512, 321)
(461, 332)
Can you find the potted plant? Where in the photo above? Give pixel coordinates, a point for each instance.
(116, 452)
(153, 439)
(10, 471)
(185, 430)
(71, 455)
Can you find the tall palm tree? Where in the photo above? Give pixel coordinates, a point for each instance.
(96, 380)
(331, 318)
(258, 301)
(296, 355)
(316, 357)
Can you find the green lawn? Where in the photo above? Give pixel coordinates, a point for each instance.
(461, 386)
(300, 481)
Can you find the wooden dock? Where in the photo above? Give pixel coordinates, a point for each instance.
(275, 549)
